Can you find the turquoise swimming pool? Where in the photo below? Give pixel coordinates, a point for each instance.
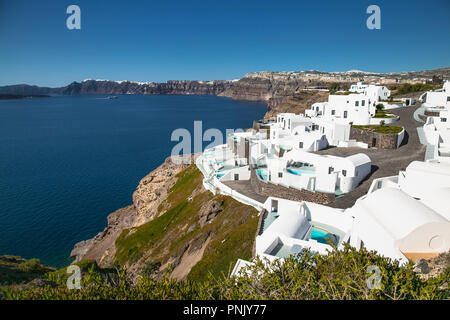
(299, 172)
(262, 174)
(321, 235)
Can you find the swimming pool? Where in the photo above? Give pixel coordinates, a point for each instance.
(321, 235)
(262, 174)
(299, 172)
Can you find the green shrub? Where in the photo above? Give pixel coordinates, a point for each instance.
(341, 274)
(32, 265)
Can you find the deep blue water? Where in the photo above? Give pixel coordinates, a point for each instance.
(66, 162)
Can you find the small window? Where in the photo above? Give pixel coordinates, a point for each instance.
(344, 173)
(280, 174)
(356, 103)
(300, 145)
(443, 119)
(363, 103)
(333, 112)
(345, 114)
(330, 170)
(448, 99)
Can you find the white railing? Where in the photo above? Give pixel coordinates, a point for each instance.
(212, 183)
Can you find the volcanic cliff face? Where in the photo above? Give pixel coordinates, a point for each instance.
(131, 87)
(152, 190)
(276, 88)
(298, 103)
(174, 225)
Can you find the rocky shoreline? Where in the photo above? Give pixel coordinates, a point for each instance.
(149, 194)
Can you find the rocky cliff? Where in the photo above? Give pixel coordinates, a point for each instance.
(132, 87)
(174, 225)
(297, 103)
(149, 194)
(271, 87)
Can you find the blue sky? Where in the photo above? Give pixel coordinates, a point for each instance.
(164, 40)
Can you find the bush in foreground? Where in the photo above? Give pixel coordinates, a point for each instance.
(339, 275)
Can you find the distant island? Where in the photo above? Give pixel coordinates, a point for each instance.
(21, 96)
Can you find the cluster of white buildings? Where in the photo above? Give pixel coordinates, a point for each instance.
(358, 106)
(402, 217)
(437, 128)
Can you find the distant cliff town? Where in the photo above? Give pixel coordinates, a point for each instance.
(273, 88)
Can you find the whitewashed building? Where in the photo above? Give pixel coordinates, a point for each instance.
(439, 98)
(358, 109)
(401, 217)
(304, 170)
(374, 92)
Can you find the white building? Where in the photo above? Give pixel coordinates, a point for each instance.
(303, 170)
(406, 216)
(357, 108)
(377, 93)
(309, 134)
(399, 226)
(427, 182)
(401, 217)
(374, 92)
(289, 227)
(439, 98)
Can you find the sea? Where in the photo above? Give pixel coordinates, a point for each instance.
(66, 162)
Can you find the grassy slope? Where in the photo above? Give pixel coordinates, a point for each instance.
(16, 270)
(380, 129)
(167, 235)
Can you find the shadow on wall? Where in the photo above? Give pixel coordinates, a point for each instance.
(405, 139)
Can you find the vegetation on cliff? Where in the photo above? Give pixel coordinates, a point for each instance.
(342, 274)
(196, 231)
(17, 270)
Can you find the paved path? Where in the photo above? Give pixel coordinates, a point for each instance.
(384, 162)
(246, 189)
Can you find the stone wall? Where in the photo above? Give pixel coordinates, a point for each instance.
(272, 190)
(431, 113)
(374, 139)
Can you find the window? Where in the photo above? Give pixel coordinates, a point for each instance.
(344, 173)
(280, 174)
(330, 170)
(333, 112)
(345, 114)
(356, 103)
(448, 99)
(300, 145)
(443, 119)
(363, 103)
